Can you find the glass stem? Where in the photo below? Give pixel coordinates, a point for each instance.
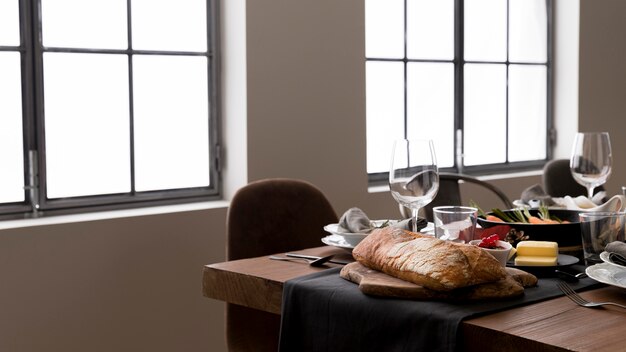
(590, 191)
(415, 213)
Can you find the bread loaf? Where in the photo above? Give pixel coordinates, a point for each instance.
(427, 261)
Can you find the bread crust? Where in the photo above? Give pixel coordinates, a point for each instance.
(427, 261)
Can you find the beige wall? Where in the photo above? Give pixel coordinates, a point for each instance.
(603, 78)
(133, 283)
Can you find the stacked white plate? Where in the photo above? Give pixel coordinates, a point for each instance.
(346, 239)
(608, 272)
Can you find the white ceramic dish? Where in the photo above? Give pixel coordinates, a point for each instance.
(337, 241)
(353, 239)
(501, 253)
(607, 273)
(605, 258)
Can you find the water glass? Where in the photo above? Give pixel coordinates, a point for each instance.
(599, 229)
(455, 223)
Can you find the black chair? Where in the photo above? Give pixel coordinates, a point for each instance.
(267, 217)
(450, 193)
(558, 181)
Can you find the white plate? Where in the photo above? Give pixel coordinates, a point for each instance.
(605, 258)
(608, 273)
(334, 228)
(353, 239)
(337, 241)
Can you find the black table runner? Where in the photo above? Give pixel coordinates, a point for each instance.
(323, 312)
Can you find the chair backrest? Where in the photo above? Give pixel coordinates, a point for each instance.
(276, 215)
(267, 217)
(558, 181)
(450, 192)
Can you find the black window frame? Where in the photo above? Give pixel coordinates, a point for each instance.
(459, 62)
(31, 52)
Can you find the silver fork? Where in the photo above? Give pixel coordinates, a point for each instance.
(571, 294)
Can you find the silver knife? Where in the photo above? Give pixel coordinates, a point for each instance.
(312, 257)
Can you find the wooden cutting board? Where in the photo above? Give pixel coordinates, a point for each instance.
(376, 283)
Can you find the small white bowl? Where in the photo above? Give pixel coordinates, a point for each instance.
(501, 254)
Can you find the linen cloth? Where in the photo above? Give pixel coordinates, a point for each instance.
(324, 312)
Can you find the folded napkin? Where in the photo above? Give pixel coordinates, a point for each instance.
(617, 252)
(354, 220)
(582, 203)
(535, 196)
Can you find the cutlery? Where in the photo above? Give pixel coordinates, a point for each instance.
(319, 261)
(313, 257)
(571, 294)
(569, 276)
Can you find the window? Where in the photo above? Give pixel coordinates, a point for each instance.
(107, 104)
(473, 75)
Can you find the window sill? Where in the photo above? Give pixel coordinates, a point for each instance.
(112, 214)
(384, 187)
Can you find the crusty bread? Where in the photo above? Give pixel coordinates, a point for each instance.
(524, 278)
(427, 261)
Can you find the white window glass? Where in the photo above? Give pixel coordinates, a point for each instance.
(484, 140)
(385, 112)
(529, 31)
(92, 24)
(384, 28)
(485, 30)
(430, 29)
(11, 149)
(171, 124)
(430, 111)
(87, 124)
(169, 25)
(9, 23)
(527, 112)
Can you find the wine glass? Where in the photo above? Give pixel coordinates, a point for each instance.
(591, 159)
(413, 177)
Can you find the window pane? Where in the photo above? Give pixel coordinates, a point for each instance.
(485, 114)
(430, 101)
(92, 23)
(485, 30)
(9, 23)
(529, 31)
(11, 155)
(384, 29)
(385, 112)
(169, 25)
(430, 29)
(527, 112)
(171, 124)
(87, 125)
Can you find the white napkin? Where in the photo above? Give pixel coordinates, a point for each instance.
(354, 220)
(582, 203)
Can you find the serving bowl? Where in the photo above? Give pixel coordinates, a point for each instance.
(567, 235)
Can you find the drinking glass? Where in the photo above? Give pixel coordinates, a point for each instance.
(591, 159)
(413, 177)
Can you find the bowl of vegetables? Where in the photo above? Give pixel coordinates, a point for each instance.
(558, 225)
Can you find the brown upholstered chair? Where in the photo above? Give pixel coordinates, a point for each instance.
(267, 217)
(450, 193)
(558, 181)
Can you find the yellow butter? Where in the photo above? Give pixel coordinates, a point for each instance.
(534, 261)
(538, 249)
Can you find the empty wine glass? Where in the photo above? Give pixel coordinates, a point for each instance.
(591, 159)
(413, 177)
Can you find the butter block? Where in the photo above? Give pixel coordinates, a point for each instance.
(535, 261)
(538, 249)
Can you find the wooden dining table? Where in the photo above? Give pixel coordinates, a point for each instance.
(556, 324)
